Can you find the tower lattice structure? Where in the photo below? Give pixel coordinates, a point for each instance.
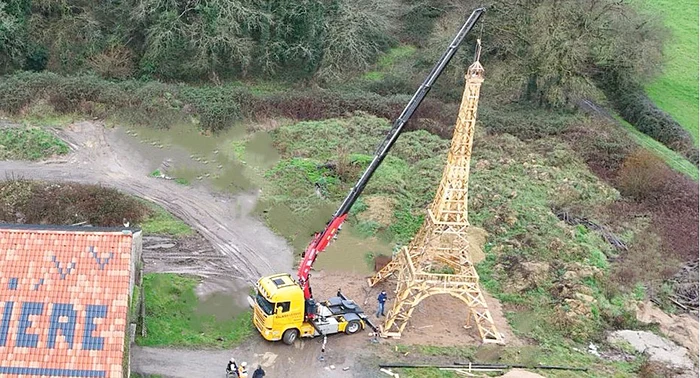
(437, 260)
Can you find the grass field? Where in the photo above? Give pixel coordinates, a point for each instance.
(173, 317)
(676, 91)
(672, 158)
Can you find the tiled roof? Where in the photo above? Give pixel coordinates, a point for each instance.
(65, 300)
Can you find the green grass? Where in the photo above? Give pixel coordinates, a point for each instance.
(173, 319)
(408, 174)
(41, 113)
(29, 143)
(672, 158)
(395, 55)
(134, 306)
(389, 60)
(164, 223)
(179, 180)
(512, 200)
(676, 91)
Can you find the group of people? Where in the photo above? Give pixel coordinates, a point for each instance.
(233, 370)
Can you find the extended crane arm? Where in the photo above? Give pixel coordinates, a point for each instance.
(321, 240)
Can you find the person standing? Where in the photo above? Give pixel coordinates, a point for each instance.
(232, 368)
(381, 299)
(259, 372)
(243, 370)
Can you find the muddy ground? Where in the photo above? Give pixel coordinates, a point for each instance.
(359, 353)
(103, 155)
(229, 252)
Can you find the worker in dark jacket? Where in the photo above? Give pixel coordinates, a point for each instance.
(259, 372)
(381, 299)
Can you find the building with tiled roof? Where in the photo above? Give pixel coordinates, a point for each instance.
(65, 305)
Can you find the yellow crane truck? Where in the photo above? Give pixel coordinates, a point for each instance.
(284, 308)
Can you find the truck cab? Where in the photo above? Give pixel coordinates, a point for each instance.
(278, 308)
(279, 312)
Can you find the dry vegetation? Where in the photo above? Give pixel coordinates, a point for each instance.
(62, 203)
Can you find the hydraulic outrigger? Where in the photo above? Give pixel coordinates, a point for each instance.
(284, 308)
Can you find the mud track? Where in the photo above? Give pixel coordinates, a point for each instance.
(99, 155)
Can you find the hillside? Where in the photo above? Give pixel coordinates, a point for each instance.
(676, 90)
(270, 112)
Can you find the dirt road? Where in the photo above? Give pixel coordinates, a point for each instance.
(277, 359)
(244, 249)
(99, 155)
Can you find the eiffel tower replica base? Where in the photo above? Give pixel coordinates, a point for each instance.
(438, 259)
(447, 270)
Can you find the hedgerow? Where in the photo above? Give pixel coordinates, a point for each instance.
(216, 107)
(636, 108)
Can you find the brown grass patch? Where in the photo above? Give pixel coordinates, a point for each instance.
(379, 209)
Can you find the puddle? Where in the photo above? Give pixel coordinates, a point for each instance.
(235, 161)
(259, 151)
(228, 161)
(222, 297)
(349, 253)
(223, 305)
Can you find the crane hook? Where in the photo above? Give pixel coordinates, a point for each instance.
(477, 53)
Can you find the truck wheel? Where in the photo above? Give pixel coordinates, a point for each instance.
(290, 336)
(352, 327)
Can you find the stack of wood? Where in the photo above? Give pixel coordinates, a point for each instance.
(609, 237)
(685, 287)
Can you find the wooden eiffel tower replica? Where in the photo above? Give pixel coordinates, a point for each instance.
(437, 261)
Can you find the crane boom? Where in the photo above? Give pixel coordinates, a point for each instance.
(322, 239)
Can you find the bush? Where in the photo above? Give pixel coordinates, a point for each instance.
(29, 144)
(635, 107)
(35, 202)
(645, 262)
(392, 84)
(419, 20)
(217, 107)
(642, 176)
(115, 62)
(602, 145)
(524, 122)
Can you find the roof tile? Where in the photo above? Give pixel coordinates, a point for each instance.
(65, 301)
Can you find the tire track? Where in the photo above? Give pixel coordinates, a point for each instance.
(98, 156)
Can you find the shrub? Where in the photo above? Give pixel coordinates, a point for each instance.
(645, 262)
(602, 145)
(217, 107)
(643, 175)
(435, 116)
(36, 202)
(115, 62)
(29, 144)
(524, 122)
(635, 107)
(392, 84)
(419, 19)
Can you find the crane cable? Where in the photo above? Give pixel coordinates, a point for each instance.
(477, 52)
